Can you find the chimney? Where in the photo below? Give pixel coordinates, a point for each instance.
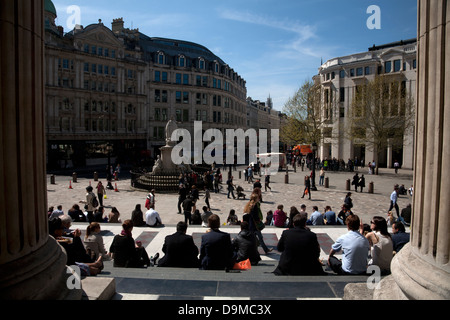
(117, 25)
(61, 31)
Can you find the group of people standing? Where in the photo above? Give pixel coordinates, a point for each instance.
(359, 182)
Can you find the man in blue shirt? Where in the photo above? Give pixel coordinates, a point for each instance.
(330, 216)
(394, 197)
(316, 217)
(355, 248)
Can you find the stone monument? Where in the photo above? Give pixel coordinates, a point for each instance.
(165, 174)
(166, 151)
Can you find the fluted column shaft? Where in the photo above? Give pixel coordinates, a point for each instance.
(22, 171)
(32, 264)
(421, 269)
(431, 220)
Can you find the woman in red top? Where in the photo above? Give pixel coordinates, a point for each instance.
(279, 217)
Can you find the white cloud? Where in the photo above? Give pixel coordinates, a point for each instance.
(304, 32)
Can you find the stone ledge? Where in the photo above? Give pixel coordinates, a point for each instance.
(100, 288)
(357, 291)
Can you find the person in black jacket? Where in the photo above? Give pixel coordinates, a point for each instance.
(188, 204)
(179, 249)
(307, 187)
(125, 251)
(300, 250)
(216, 252)
(246, 246)
(137, 216)
(182, 194)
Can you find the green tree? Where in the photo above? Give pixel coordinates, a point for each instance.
(304, 115)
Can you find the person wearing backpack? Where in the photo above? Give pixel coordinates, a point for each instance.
(92, 203)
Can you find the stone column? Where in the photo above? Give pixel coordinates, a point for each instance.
(32, 264)
(421, 270)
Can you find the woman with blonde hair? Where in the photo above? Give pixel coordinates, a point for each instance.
(254, 217)
(93, 241)
(254, 199)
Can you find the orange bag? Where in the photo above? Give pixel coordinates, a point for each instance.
(243, 265)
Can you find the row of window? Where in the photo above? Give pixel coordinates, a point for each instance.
(160, 76)
(100, 51)
(162, 58)
(106, 125)
(98, 125)
(388, 67)
(199, 63)
(182, 97)
(100, 106)
(182, 115)
(93, 125)
(200, 81)
(95, 68)
(101, 69)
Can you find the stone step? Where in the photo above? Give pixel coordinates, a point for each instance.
(98, 288)
(258, 283)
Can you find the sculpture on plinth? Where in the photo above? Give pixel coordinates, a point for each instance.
(171, 126)
(165, 174)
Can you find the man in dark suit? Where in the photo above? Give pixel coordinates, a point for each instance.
(299, 249)
(179, 249)
(216, 252)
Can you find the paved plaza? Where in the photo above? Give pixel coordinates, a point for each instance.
(366, 205)
(257, 283)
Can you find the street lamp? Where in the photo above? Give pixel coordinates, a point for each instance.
(313, 177)
(109, 148)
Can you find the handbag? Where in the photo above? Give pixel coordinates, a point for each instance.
(95, 202)
(242, 265)
(260, 225)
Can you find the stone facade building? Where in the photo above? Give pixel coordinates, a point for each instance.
(339, 78)
(110, 92)
(261, 115)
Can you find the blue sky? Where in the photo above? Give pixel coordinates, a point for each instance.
(275, 45)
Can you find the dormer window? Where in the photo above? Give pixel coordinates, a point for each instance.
(201, 63)
(216, 66)
(181, 61)
(161, 58)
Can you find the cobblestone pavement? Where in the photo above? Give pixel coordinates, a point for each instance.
(366, 205)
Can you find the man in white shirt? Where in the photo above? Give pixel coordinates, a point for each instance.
(152, 218)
